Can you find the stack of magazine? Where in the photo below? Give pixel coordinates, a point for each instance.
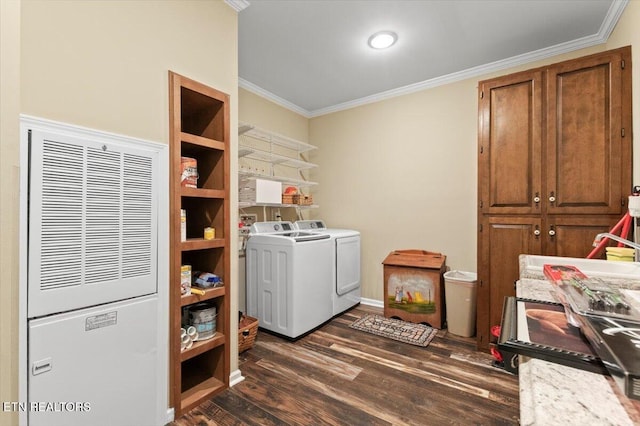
(596, 327)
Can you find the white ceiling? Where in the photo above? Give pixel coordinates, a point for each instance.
(312, 55)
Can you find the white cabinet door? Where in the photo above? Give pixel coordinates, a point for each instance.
(96, 366)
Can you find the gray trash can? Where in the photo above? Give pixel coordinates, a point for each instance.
(460, 299)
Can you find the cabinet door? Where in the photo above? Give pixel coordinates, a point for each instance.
(502, 240)
(584, 159)
(510, 128)
(572, 236)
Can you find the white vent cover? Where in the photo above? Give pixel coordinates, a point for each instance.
(92, 221)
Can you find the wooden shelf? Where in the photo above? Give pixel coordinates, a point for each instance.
(202, 142)
(204, 390)
(209, 293)
(202, 346)
(199, 129)
(201, 192)
(201, 244)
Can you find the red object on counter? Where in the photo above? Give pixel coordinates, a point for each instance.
(624, 223)
(557, 273)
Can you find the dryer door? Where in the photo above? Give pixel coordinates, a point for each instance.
(347, 264)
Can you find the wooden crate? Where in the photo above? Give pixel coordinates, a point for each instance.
(414, 286)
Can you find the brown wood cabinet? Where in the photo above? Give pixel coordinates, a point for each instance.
(199, 129)
(554, 167)
(501, 240)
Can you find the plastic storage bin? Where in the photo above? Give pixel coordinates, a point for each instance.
(460, 299)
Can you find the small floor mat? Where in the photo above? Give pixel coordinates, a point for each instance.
(406, 332)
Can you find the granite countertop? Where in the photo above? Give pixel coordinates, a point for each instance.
(554, 394)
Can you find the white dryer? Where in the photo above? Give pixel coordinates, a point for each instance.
(345, 268)
(288, 276)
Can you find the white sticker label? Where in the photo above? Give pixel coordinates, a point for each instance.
(99, 321)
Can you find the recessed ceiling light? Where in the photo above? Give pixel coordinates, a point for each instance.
(383, 39)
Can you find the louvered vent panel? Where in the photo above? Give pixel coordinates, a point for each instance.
(137, 215)
(635, 386)
(102, 250)
(93, 217)
(61, 224)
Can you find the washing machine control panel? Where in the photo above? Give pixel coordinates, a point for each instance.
(309, 225)
(270, 227)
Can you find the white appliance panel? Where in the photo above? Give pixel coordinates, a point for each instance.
(105, 357)
(289, 284)
(92, 222)
(347, 264)
(251, 280)
(346, 291)
(279, 297)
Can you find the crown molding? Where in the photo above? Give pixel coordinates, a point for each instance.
(608, 24)
(463, 75)
(238, 5)
(273, 98)
(613, 15)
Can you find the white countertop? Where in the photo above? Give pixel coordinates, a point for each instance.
(554, 394)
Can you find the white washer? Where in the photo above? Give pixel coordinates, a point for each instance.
(288, 275)
(345, 270)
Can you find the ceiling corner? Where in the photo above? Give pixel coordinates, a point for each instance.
(238, 5)
(610, 21)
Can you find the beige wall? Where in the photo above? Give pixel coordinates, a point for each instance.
(403, 171)
(9, 160)
(260, 112)
(627, 33)
(104, 65)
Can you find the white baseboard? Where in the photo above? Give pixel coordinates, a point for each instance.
(235, 377)
(170, 415)
(372, 302)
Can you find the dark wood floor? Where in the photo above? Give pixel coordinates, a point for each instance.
(341, 376)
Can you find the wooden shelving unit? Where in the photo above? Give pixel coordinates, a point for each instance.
(199, 128)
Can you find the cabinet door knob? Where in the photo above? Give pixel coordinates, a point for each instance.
(552, 198)
(552, 232)
(536, 198)
(536, 232)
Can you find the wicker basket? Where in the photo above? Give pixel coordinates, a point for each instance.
(303, 200)
(289, 198)
(247, 332)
